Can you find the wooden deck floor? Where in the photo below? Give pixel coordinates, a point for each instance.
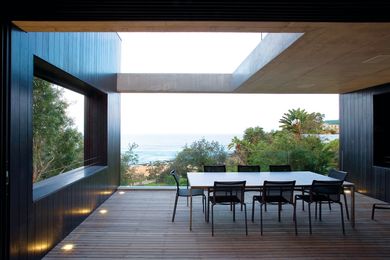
(138, 225)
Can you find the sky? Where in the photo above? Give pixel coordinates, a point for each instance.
(186, 52)
(215, 113)
(75, 109)
(203, 113)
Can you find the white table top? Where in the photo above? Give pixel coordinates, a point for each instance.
(255, 179)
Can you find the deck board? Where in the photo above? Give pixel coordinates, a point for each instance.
(138, 225)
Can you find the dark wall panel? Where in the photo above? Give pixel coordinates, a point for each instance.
(200, 10)
(4, 109)
(36, 226)
(113, 152)
(356, 143)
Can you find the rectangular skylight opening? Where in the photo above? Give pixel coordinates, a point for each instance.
(202, 52)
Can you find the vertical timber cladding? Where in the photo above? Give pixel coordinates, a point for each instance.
(35, 227)
(4, 87)
(357, 142)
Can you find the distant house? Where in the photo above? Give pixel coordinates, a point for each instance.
(332, 126)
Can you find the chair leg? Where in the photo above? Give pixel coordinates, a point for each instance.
(174, 208)
(346, 206)
(204, 208)
(279, 209)
(320, 211)
(308, 205)
(208, 209)
(212, 220)
(261, 218)
(372, 214)
(295, 217)
(316, 209)
(253, 209)
(303, 202)
(246, 221)
(342, 217)
(234, 212)
(203, 203)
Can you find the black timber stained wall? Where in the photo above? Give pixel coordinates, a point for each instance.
(200, 10)
(36, 226)
(356, 143)
(4, 90)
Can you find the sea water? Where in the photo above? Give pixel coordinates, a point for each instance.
(165, 147)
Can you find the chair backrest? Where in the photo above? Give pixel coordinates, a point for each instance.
(230, 188)
(327, 189)
(176, 177)
(340, 175)
(281, 189)
(280, 168)
(214, 168)
(248, 168)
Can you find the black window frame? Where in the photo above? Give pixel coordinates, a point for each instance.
(381, 130)
(95, 129)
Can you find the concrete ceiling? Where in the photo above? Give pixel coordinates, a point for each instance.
(327, 58)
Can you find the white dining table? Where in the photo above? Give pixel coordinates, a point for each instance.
(303, 179)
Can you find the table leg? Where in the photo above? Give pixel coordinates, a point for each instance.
(353, 206)
(190, 209)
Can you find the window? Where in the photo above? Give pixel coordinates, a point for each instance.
(381, 130)
(69, 129)
(58, 129)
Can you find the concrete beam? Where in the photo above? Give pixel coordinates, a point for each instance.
(267, 50)
(315, 58)
(174, 83)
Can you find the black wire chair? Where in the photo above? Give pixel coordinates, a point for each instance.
(284, 168)
(280, 168)
(249, 168)
(275, 192)
(323, 191)
(379, 206)
(180, 192)
(227, 193)
(214, 168)
(340, 175)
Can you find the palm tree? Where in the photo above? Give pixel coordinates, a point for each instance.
(300, 122)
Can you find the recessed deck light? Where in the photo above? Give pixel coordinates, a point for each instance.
(103, 211)
(121, 192)
(67, 247)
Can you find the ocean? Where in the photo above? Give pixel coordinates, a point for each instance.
(165, 147)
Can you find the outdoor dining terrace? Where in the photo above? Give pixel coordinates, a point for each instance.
(310, 48)
(137, 224)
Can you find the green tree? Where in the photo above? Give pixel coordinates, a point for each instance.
(157, 171)
(312, 154)
(57, 145)
(128, 159)
(296, 144)
(244, 148)
(198, 154)
(299, 122)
